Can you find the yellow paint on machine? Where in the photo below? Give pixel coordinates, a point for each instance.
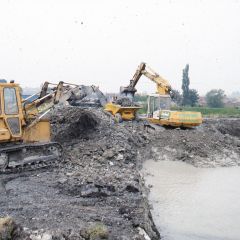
(17, 130)
(127, 113)
(40, 132)
(178, 119)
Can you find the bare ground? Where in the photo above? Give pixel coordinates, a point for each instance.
(97, 192)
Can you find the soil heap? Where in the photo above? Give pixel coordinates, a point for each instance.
(97, 191)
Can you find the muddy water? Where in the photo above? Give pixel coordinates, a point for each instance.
(194, 203)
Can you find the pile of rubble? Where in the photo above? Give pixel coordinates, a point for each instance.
(69, 123)
(97, 191)
(126, 102)
(87, 96)
(96, 184)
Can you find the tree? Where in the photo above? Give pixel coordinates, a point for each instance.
(193, 97)
(185, 85)
(176, 96)
(215, 98)
(189, 96)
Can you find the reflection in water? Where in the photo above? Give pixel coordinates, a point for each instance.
(194, 203)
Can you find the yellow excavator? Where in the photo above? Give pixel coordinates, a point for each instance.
(158, 104)
(24, 130)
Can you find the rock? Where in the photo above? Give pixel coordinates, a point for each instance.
(123, 210)
(92, 190)
(74, 236)
(46, 236)
(69, 174)
(132, 188)
(111, 163)
(119, 157)
(143, 233)
(89, 191)
(108, 154)
(62, 180)
(35, 237)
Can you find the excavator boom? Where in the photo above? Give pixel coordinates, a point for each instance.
(163, 86)
(48, 98)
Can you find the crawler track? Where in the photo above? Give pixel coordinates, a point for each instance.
(40, 155)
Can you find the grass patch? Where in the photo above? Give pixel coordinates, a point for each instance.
(212, 112)
(98, 231)
(6, 228)
(206, 112)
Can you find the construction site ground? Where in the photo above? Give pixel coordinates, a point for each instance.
(97, 190)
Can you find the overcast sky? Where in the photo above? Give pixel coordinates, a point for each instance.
(101, 42)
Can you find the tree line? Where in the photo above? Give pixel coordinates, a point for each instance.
(190, 97)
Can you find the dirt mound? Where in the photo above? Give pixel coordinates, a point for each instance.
(87, 96)
(69, 123)
(209, 145)
(229, 126)
(98, 182)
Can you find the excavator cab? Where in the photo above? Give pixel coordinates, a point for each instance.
(11, 115)
(157, 103)
(159, 112)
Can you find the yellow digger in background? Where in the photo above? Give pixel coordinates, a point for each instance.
(158, 104)
(24, 133)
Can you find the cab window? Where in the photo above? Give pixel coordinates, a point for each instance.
(10, 101)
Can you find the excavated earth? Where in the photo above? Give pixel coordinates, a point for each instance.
(97, 191)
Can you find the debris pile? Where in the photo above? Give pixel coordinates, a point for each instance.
(97, 191)
(98, 183)
(126, 102)
(70, 123)
(87, 96)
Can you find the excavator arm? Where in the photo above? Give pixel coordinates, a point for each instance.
(50, 95)
(163, 86)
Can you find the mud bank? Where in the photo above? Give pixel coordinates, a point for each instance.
(215, 143)
(97, 191)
